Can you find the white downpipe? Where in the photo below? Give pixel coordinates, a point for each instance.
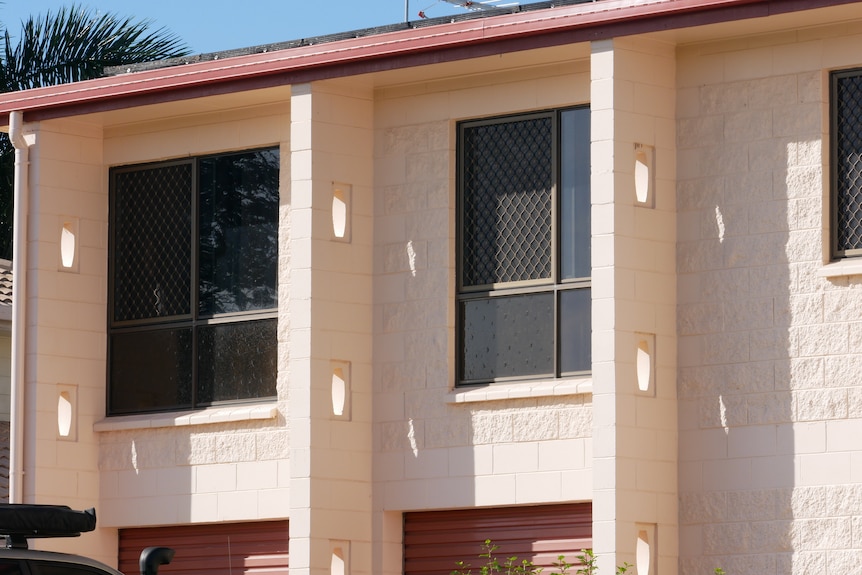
(19, 306)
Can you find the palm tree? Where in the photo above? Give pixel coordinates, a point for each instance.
(72, 44)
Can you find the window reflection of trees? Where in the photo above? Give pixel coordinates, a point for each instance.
(238, 232)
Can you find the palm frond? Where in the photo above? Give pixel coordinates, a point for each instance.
(77, 44)
(69, 45)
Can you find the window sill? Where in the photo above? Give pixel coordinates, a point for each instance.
(249, 412)
(522, 390)
(841, 268)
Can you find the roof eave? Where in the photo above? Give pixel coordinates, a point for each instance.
(400, 49)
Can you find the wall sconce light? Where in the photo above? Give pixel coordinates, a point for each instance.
(340, 564)
(646, 555)
(645, 363)
(644, 176)
(341, 390)
(341, 211)
(69, 244)
(67, 404)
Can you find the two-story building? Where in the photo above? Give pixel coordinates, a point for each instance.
(580, 274)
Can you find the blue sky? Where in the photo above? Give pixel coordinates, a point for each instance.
(214, 25)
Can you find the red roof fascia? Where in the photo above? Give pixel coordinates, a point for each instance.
(443, 42)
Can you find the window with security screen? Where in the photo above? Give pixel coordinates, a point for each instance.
(193, 294)
(846, 165)
(524, 246)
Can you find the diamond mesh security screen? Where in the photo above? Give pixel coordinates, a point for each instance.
(194, 252)
(152, 242)
(507, 171)
(848, 163)
(520, 179)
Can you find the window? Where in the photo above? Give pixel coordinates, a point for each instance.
(846, 164)
(193, 294)
(524, 238)
(58, 568)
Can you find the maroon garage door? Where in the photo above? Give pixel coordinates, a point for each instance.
(222, 549)
(434, 541)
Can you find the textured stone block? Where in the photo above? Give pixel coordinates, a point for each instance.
(490, 428)
(446, 432)
(820, 340)
(822, 533)
(820, 404)
(769, 408)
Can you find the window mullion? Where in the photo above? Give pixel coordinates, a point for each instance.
(194, 288)
(555, 233)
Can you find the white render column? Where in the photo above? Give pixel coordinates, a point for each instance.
(330, 327)
(633, 157)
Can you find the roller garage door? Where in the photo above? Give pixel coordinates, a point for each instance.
(434, 541)
(258, 548)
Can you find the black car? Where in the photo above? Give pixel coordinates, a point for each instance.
(20, 522)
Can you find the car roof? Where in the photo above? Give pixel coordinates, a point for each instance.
(36, 555)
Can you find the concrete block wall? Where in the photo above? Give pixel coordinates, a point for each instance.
(436, 447)
(224, 465)
(65, 323)
(199, 473)
(227, 464)
(769, 382)
(634, 297)
(330, 311)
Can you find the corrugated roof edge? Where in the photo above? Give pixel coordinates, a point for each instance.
(327, 38)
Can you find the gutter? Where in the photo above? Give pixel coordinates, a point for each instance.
(445, 42)
(19, 306)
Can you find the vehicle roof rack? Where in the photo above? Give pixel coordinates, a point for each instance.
(22, 521)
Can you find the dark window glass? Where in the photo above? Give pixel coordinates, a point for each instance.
(236, 361)
(524, 236)
(151, 370)
(575, 330)
(10, 567)
(57, 568)
(847, 163)
(508, 337)
(238, 232)
(193, 275)
(575, 194)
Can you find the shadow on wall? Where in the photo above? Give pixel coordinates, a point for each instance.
(749, 235)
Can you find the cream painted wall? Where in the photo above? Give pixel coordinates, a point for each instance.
(65, 323)
(634, 303)
(331, 313)
(436, 448)
(726, 272)
(227, 464)
(769, 386)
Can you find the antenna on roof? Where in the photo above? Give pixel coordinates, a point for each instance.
(481, 4)
(473, 5)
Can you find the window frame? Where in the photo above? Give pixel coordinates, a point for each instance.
(555, 285)
(836, 254)
(195, 320)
